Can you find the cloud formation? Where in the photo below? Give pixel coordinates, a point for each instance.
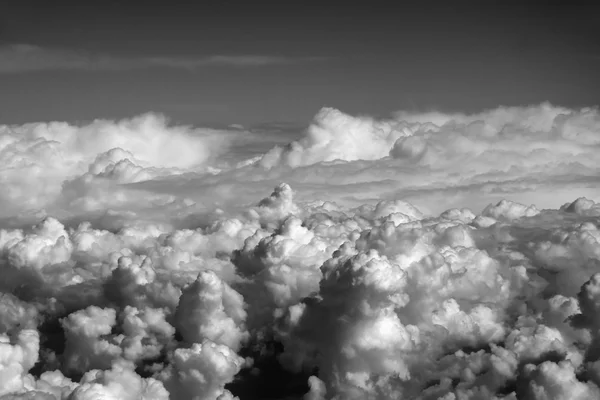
(412, 257)
(29, 58)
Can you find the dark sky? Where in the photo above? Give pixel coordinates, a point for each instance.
(372, 57)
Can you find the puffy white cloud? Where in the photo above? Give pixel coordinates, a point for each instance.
(119, 382)
(15, 313)
(17, 357)
(441, 161)
(317, 389)
(146, 333)
(210, 309)
(433, 291)
(334, 135)
(88, 345)
(201, 371)
(426, 256)
(277, 206)
(509, 210)
(37, 158)
(557, 381)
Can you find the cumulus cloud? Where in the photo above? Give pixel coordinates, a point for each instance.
(211, 309)
(412, 257)
(334, 135)
(82, 166)
(535, 154)
(21, 58)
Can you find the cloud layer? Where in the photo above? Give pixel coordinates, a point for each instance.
(28, 58)
(426, 256)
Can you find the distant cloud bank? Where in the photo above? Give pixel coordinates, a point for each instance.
(20, 58)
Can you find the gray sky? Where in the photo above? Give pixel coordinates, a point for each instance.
(222, 63)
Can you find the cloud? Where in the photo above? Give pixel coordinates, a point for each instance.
(46, 162)
(535, 154)
(423, 256)
(29, 58)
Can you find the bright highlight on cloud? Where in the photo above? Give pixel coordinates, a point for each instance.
(28, 58)
(418, 257)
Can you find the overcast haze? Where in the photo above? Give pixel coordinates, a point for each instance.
(307, 201)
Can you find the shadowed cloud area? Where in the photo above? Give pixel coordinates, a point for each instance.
(422, 256)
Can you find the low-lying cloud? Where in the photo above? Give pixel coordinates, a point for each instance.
(30, 58)
(425, 256)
